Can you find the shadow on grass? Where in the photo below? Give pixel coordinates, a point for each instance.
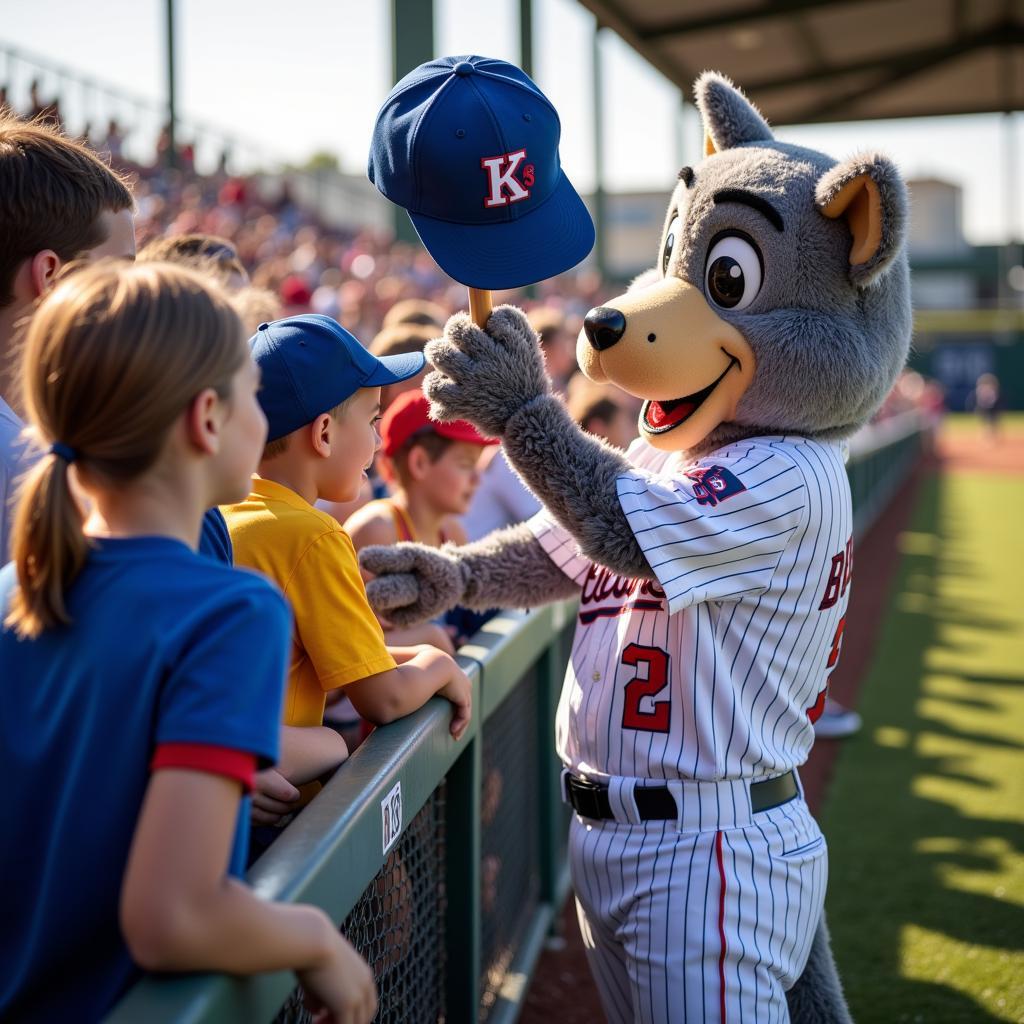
(919, 825)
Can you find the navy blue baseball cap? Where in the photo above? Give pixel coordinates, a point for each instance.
(469, 146)
(310, 364)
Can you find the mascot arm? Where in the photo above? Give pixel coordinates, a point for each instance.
(507, 569)
(496, 380)
(574, 475)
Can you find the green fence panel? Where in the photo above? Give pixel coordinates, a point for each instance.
(453, 915)
(330, 855)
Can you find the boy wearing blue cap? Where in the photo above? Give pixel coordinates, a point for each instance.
(321, 396)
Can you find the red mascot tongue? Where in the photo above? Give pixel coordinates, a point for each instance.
(660, 416)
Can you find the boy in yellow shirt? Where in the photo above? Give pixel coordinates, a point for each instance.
(321, 395)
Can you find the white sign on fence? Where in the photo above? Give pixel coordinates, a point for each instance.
(391, 816)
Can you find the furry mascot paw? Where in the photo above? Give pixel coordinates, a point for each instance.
(485, 376)
(413, 582)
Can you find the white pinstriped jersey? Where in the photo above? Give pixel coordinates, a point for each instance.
(718, 670)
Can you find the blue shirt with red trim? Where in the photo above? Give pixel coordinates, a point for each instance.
(166, 647)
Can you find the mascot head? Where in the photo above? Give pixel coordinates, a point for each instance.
(780, 302)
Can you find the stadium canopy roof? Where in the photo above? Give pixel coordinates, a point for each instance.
(836, 60)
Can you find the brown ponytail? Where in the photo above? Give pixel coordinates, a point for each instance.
(111, 359)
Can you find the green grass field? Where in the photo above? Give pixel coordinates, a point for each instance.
(925, 817)
(967, 423)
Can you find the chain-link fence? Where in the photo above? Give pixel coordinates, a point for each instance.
(398, 926)
(510, 850)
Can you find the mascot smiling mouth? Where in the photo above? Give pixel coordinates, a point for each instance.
(667, 345)
(661, 417)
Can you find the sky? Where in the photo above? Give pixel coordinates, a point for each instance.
(302, 76)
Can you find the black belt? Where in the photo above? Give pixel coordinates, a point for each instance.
(656, 803)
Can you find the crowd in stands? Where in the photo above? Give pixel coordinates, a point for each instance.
(215, 401)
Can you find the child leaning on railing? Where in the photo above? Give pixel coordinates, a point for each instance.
(140, 682)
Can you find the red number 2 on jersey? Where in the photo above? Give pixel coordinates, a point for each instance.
(815, 710)
(656, 679)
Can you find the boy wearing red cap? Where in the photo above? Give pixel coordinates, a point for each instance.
(434, 468)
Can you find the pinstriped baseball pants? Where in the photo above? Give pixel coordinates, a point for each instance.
(699, 926)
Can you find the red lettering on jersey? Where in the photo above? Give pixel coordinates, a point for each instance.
(654, 680)
(815, 710)
(835, 582)
(839, 577)
(837, 644)
(601, 585)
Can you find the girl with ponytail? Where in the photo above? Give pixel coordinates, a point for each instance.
(140, 683)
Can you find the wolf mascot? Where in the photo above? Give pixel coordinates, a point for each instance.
(712, 561)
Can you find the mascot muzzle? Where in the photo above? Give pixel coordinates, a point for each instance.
(665, 344)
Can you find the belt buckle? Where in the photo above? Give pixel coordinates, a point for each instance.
(586, 797)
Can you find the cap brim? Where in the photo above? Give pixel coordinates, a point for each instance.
(547, 241)
(395, 369)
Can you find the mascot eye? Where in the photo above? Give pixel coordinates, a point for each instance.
(670, 244)
(732, 275)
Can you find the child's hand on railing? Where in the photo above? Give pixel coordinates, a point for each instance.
(341, 990)
(460, 692)
(273, 798)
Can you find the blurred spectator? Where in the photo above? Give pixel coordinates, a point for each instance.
(163, 147)
(558, 344)
(397, 340)
(113, 141)
(417, 311)
(501, 499)
(40, 108)
(295, 296)
(601, 410)
(257, 306)
(433, 469)
(216, 256)
(985, 400)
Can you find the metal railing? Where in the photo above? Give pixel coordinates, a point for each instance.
(881, 457)
(453, 915)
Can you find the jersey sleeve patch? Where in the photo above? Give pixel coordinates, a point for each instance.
(716, 530)
(714, 485)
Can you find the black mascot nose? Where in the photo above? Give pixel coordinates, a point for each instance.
(604, 326)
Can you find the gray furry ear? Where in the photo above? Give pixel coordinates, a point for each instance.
(868, 192)
(645, 280)
(729, 118)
